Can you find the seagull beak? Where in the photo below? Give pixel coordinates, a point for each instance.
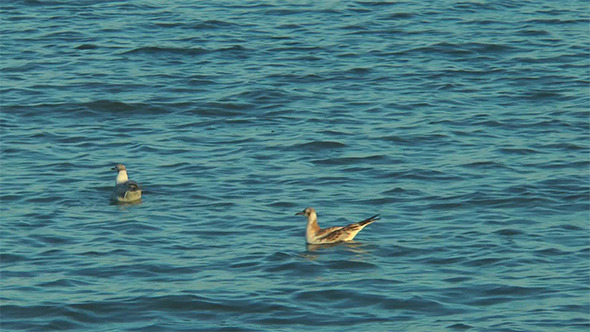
(299, 213)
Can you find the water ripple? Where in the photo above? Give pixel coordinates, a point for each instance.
(464, 124)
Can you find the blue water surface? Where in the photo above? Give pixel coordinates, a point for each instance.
(465, 124)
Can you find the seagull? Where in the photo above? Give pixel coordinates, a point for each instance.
(125, 191)
(316, 235)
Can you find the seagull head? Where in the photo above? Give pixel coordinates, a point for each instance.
(119, 167)
(306, 212)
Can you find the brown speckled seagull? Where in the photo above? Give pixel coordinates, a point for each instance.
(316, 235)
(126, 191)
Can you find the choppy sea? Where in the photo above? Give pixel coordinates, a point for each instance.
(465, 124)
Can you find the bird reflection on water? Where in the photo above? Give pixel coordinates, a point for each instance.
(357, 248)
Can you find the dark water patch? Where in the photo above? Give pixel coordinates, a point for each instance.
(135, 271)
(341, 298)
(283, 204)
(460, 326)
(421, 174)
(487, 48)
(53, 239)
(487, 199)
(188, 303)
(419, 140)
(488, 295)
(439, 48)
(29, 312)
(580, 308)
(52, 253)
(509, 232)
(279, 257)
(402, 191)
(403, 251)
(65, 35)
(401, 15)
(10, 198)
(556, 21)
(87, 47)
(538, 95)
(333, 180)
(416, 304)
(372, 159)
(560, 164)
(11, 258)
(155, 50)
(380, 201)
(350, 265)
(318, 146)
(458, 279)
(63, 283)
(567, 146)
(293, 268)
(218, 109)
(356, 169)
(570, 227)
(396, 139)
(484, 262)
(178, 166)
(442, 261)
(518, 151)
(50, 325)
(263, 96)
(113, 106)
(339, 133)
(551, 252)
(359, 71)
(213, 24)
(245, 265)
(485, 165)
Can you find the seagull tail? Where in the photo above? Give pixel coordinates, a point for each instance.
(369, 220)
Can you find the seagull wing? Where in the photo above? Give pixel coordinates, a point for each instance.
(128, 191)
(346, 233)
(132, 185)
(341, 233)
(327, 231)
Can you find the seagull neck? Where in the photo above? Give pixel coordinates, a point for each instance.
(121, 177)
(312, 222)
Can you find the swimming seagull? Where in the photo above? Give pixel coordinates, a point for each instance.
(316, 235)
(125, 191)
